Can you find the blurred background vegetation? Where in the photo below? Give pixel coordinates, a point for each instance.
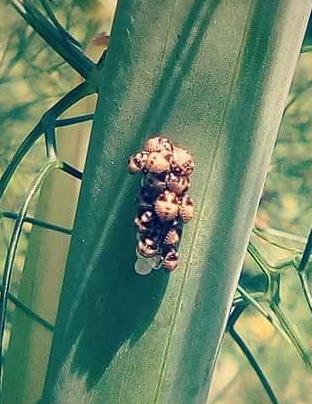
(33, 77)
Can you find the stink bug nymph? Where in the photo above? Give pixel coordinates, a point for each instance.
(163, 205)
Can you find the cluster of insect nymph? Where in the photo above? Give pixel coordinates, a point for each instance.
(163, 204)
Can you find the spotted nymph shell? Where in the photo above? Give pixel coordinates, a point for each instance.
(155, 181)
(142, 221)
(147, 247)
(170, 261)
(186, 210)
(158, 143)
(177, 184)
(183, 163)
(162, 203)
(158, 162)
(141, 226)
(172, 237)
(167, 206)
(137, 162)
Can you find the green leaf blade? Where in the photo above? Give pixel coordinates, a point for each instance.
(201, 73)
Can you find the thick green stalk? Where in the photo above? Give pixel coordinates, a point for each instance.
(213, 75)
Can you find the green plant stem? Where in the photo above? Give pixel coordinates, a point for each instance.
(306, 289)
(26, 310)
(50, 138)
(264, 264)
(7, 272)
(301, 350)
(259, 261)
(18, 156)
(57, 24)
(302, 269)
(297, 96)
(280, 233)
(256, 367)
(306, 254)
(36, 222)
(267, 238)
(76, 94)
(235, 314)
(247, 296)
(69, 169)
(65, 48)
(73, 120)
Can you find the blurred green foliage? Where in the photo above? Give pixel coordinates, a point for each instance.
(33, 77)
(285, 214)
(287, 194)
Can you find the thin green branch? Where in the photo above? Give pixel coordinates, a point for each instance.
(306, 289)
(65, 48)
(306, 254)
(235, 315)
(37, 222)
(267, 238)
(23, 149)
(239, 301)
(50, 138)
(284, 326)
(289, 263)
(30, 313)
(258, 259)
(301, 350)
(67, 168)
(256, 367)
(302, 269)
(264, 265)
(281, 233)
(73, 120)
(235, 378)
(252, 301)
(71, 98)
(7, 272)
(298, 95)
(57, 24)
(247, 296)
